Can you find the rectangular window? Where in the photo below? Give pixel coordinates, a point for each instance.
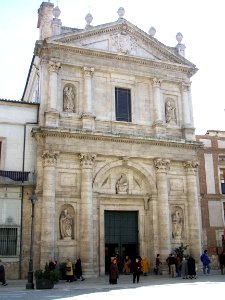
(8, 241)
(123, 104)
(222, 180)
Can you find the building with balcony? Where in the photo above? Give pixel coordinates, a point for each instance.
(212, 189)
(17, 169)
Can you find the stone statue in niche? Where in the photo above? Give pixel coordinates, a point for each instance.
(69, 98)
(170, 112)
(66, 225)
(177, 223)
(122, 185)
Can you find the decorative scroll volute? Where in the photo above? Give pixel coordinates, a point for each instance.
(50, 158)
(87, 160)
(162, 164)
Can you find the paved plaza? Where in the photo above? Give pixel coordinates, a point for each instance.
(160, 287)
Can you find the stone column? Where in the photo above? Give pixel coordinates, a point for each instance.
(158, 117)
(185, 105)
(87, 115)
(51, 114)
(86, 214)
(194, 229)
(48, 227)
(159, 125)
(164, 230)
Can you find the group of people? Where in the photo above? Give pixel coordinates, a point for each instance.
(73, 274)
(136, 267)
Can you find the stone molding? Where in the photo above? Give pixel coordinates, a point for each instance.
(190, 71)
(53, 66)
(162, 164)
(62, 133)
(50, 158)
(87, 160)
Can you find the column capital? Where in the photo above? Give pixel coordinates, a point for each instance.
(53, 66)
(50, 158)
(162, 164)
(88, 71)
(87, 160)
(156, 82)
(185, 86)
(191, 166)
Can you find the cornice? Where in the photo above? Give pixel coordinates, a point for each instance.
(43, 49)
(43, 132)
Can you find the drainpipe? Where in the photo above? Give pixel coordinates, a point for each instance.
(22, 190)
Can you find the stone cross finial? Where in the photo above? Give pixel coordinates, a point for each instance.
(180, 47)
(152, 31)
(56, 12)
(121, 12)
(88, 19)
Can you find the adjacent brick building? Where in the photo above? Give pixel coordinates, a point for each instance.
(212, 189)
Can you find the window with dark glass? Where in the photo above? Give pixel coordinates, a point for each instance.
(123, 104)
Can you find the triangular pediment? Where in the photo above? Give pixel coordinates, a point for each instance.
(121, 37)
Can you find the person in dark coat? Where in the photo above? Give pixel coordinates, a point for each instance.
(2, 274)
(191, 267)
(137, 270)
(113, 272)
(222, 262)
(78, 269)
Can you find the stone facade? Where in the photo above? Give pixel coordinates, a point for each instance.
(212, 188)
(88, 162)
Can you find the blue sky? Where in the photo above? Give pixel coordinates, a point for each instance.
(200, 22)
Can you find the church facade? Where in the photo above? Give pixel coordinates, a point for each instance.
(116, 155)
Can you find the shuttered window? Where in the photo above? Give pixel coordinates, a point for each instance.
(123, 104)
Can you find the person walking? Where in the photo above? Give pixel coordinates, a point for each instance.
(222, 262)
(78, 269)
(113, 272)
(2, 274)
(205, 262)
(137, 270)
(69, 270)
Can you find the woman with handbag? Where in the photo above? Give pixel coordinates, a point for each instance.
(69, 270)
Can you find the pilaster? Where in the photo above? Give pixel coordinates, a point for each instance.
(193, 209)
(86, 214)
(164, 231)
(159, 126)
(48, 228)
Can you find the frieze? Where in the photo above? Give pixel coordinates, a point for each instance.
(154, 64)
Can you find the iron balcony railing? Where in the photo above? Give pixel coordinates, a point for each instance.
(16, 177)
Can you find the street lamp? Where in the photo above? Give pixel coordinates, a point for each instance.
(30, 282)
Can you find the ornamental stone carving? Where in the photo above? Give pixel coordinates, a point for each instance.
(69, 98)
(53, 66)
(177, 218)
(191, 166)
(66, 225)
(123, 42)
(50, 158)
(162, 164)
(170, 111)
(88, 71)
(87, 159)
(122, 185)
(156, 82)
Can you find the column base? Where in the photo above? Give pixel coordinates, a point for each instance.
(188, 132)
(52, 118)
(160, 129)
(88, 120)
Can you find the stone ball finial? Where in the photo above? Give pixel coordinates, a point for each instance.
(56, 12)
(88, 19)
(121, 12)
(152, 31)
(179, 37)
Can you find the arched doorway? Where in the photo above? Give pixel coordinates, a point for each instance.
(121, 236)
